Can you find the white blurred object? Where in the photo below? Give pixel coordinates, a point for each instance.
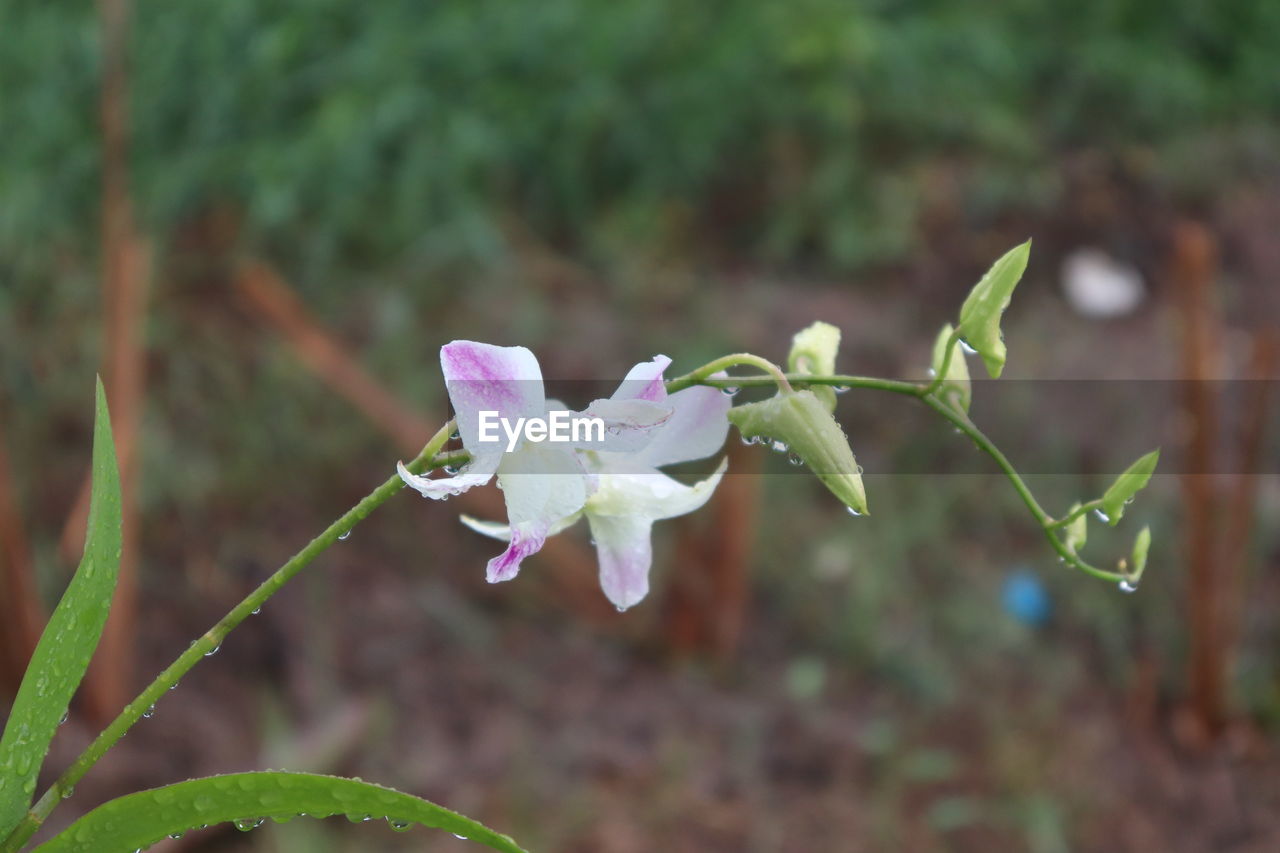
(1097, 285)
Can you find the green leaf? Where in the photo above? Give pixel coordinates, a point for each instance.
(138, 820)
(1077, 532)
(980, 314)
(1138, 558)
(800, 422)
(68, 641)
(813, 351)
(955, 385)
(1126, 486)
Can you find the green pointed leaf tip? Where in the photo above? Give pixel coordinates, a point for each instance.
(1138, 558)
(980, 314)
(1077, 532)
(800, 421)
(1127, 485)
(813, 351)
(955, 385)
(138, 820)
(69, 639)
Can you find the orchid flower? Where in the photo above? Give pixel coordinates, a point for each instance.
(543, 483)
(630, 492)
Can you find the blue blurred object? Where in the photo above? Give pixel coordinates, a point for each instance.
(1025, 598)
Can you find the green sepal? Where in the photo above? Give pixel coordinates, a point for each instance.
(1127, 485)
(955, 385)
(981, 312)
(813, 351)
(801, 421)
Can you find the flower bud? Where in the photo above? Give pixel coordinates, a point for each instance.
(801, 421)
(813, 351)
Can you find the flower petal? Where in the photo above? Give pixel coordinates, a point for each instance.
(629, 425)
(483, 377)
(652, 494)
(644, 381)
(525, 540)
(498, 530)
(542, 484)
(626, 553)
(697, 428)
(476, 473)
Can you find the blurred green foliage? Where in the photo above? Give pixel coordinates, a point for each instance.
(359, 137)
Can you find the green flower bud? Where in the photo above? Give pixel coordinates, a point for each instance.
(801, 421)
(955, 385)
(1138, 559)
(813, 351)
(1077, 532)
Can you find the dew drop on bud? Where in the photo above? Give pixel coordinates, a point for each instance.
(749, 440)
(794, 458)
(778, 445)
(853, 512)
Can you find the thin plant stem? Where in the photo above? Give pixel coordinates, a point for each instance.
(925, 392)
(776, 375)
(429, 459)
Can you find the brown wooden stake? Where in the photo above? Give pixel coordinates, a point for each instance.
(1194, 266)
(20, 630)
(707, 597)
(126, 262)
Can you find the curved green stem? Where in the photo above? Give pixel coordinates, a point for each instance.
(698, 376)
(428, 459)
(925, 392)
(1083, 509)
